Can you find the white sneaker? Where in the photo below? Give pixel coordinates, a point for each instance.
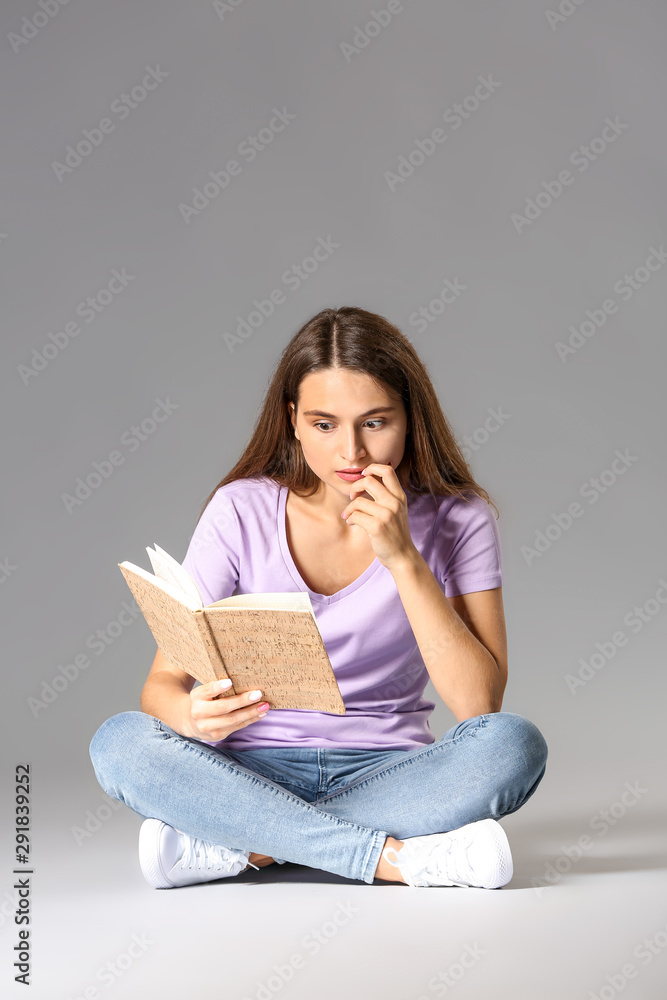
(170, 858)
(477, 854)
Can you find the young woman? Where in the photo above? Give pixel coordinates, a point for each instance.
(352, 489)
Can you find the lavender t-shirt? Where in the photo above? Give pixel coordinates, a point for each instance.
(240, 546)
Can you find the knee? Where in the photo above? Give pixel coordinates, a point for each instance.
(112, 740)
(522, 740)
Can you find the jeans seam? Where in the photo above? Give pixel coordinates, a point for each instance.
(322, 779)
(388, 768)
(293, 782)
(185, 744)
(378, 840)
(162, 728)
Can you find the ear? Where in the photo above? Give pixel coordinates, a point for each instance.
(290, 413)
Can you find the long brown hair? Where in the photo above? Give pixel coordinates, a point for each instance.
(360, 341)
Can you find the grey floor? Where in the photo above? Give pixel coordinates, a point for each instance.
(600, 922)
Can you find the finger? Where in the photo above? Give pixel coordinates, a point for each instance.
(378, 469)
(376, 479)
(207, 692)
(363, 489)
(213, 709)
(350, 511)
(362, 518)
(381, 475)
(235, 719)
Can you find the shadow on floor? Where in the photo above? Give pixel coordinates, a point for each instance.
(551, 851)
(545, 852)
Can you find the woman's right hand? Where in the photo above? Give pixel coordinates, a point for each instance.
(212, 718)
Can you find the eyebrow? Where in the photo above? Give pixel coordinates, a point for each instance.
(321, 413)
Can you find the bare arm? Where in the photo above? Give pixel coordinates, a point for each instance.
(166, 695)
(462, 640)
(200, 712)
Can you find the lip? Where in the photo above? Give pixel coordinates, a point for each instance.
(350, 477)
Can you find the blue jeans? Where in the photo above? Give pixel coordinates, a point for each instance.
(330, 809)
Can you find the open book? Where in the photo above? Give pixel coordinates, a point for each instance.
(266, 641)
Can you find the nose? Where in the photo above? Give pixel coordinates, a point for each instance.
(357, 456)
(356, 453)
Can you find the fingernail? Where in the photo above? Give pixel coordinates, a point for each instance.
(264, 707)
(254, 695)
(225, 683)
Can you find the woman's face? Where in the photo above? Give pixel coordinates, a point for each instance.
(342, 433)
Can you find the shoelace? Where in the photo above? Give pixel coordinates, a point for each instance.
(440, 862)
(437, 864)
(198, 852)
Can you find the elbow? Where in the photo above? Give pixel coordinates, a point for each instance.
(484, 697)
(490, 703)
(488, 707)
(494, 705)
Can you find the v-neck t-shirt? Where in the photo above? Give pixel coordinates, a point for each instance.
(239, 546)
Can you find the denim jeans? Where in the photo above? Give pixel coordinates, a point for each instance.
(330, 809)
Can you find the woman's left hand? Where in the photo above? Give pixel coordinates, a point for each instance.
(385, 517)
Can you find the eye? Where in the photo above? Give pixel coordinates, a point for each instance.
(325, 422)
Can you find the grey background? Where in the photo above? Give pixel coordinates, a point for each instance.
(163, 337)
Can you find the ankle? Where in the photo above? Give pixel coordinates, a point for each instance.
(385, 870)
(261, 860)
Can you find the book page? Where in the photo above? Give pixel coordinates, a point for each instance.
(299, 601)
(164, 585)
(166, 568)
